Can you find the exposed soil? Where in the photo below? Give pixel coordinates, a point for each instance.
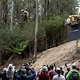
(66, 53)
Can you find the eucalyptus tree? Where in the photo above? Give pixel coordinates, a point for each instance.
(4, 11)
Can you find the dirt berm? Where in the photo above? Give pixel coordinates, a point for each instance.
(66, 53)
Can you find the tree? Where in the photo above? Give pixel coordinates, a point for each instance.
(51, 30)
(36, 30)
(4, 11)
(46, 9)
(12, 15)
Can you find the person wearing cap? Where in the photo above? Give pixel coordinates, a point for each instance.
(59, 76)
(44, 74)
(73, 74)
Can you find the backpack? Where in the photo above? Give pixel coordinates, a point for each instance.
(75, 76)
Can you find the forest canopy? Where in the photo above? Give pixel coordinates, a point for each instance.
(17, 25)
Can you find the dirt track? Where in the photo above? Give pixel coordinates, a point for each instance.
(66, 53)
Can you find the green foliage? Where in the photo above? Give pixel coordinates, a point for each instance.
(17, 40)
(54, 22)
(52, 31)
(61, 6)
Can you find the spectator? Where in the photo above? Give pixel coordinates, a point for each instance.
(62, 72)
(68, 69)
(59, 76)
(10, 71)
(44, 74)
(73, 74)
(51, 72)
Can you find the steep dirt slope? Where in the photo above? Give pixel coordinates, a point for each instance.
(66, 53)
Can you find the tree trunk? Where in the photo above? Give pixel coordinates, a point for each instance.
(46, 44)
(46, 9)
(36, 31)
(58, 7)
(0, 12)
(12, 14)
(4, 11)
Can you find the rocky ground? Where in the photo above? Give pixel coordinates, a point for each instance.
(66, 53)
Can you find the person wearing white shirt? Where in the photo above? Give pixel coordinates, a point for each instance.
(58, 76)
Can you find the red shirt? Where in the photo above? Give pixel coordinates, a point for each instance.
(44, 76)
